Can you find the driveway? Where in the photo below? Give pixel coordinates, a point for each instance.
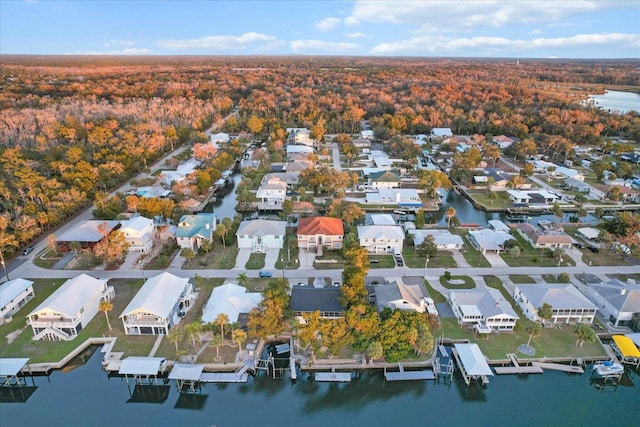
(270, 259)
(306, 258)
(576, 256)
(242, 258)
(495, 260)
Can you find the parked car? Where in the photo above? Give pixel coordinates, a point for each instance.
(594, 249)
(399, 261)
(579, 245)
(27, 250)
(265, 274)
(373, 261)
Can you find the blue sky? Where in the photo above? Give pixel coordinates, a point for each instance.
(462, 28)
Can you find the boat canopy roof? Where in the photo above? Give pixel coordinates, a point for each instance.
(626, 346)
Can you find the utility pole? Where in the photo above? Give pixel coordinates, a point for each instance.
(4, 267)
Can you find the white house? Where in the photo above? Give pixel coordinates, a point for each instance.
(300, 136)
(193, 230)
(138, 233)
(381, 239)
(366, 134)
(502, 141)
(271, 193)
(261, 234)
(618, 302)
(566, 173)
(483, 309)
(158, 306)
(69, 308)
(487, 240)
(232, 300)
(401, 296)
(441, 132)
(402, 197)
(588, 233)
(569, 305)
(14, 294)
(219, 138)
(384, 180)
(542, 166)
(296, 150)
(181, 173)
(443, 239)
(518, 196)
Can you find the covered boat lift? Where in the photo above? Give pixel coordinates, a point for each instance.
(10, 369)
(472, 363)
(144, 370)
(625, 348)
(187, 377)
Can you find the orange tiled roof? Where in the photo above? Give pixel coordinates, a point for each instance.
(320, 225)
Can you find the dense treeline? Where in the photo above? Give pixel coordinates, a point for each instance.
(71, 127)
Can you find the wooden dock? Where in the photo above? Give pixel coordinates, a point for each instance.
(403, 375)
(340, 377)
(559, 367)
(516, 368)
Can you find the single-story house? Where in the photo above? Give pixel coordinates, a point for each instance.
(402, 197)
(14, 294)
(381, 239)
(88, 233)
(138, 233)
(152, 192)
(297, 166)
(618, 302)
(441, 132)
(384, 179)
(69, 308)
(193, 230)
(566, 173)
(569, 305)
(182, 172)
(401, 296)
(322, 231)
(309, 299)
(541, 166)
(518, 196)
(487, 240)
(261, 234)
(158, 306)
(483, 309)
(293, 150)
(219, 138)
(232, 300)
(573, 184)
(544, 239)
(443, 239)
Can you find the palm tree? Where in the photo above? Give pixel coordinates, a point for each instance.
(584, 333)
(176, 334)
(239, 336)
(216, 342)
(451, 212)
(534, 329)
(545, 312)
(243, 279)
(105, 307)
(222, 320)
(193, 329)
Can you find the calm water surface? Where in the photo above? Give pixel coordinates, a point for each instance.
(616, 101)
(85, 396)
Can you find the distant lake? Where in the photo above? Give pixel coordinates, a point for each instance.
(617, 102)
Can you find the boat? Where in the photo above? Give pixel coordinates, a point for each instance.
(608, 369)
(544, 223)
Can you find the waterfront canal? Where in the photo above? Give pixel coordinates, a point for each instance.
(85, 396)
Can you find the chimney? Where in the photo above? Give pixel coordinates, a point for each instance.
(623, 291)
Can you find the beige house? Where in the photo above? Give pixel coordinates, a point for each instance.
(325, 232)
(550, 239)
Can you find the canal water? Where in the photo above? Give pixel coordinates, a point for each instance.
(617, 102)
(86, 396)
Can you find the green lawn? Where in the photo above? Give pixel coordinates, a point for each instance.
(220, 258)
(532, 257)
(468, 282)
(255, 262)
(493, 281)
(331, 261)
(473, 256)
(47, 259)
(501, 200)
(436, 296)
(384, 261)
(521, 278)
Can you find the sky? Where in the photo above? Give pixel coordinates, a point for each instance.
(424, 28)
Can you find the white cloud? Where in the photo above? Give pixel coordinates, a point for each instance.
(328, 24)
(124, 43)
(482, 46)
(453, 16)
(218, 42)
(536, 31)
(321, 46)
(357, 35)
(126, 51)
